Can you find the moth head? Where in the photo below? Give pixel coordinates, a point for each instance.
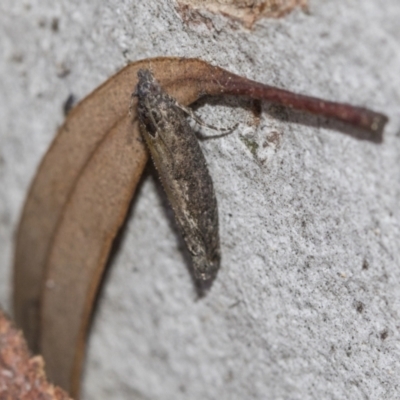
(147, 84)
(148, 92)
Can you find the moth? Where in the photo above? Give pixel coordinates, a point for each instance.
(183, 170)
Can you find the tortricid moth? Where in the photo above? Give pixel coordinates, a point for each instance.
(183, 170)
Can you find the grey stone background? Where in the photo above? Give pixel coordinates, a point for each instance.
(307, 302)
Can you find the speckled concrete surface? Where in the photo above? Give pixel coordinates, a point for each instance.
(307, 302)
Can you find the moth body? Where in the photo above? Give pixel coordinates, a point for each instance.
(183, 170)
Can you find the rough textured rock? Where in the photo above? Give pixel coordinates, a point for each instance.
(22, 377)
(307, 302)
(245, 11)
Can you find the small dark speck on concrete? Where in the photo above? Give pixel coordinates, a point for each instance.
(229, 376)
(384, 334)
(182, 388)
(62, 70)
(235, 304)
(68, 104)
(55, 24)
(17, 58)
(359, 306)
(365, 265)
